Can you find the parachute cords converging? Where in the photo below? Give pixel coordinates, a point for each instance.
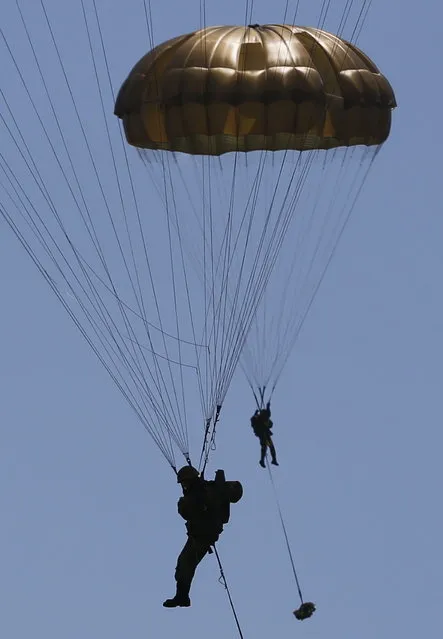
(208, 444)
(209, 439)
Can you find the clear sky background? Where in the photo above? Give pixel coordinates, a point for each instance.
(89, 532)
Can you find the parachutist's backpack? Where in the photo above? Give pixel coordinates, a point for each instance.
(227, 493)
(208, 508)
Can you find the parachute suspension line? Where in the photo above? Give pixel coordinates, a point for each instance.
(205, 439)
(231, 329)
(253, 390)
(149, 22)
(262, 396)
(326, 4)
(126, 392)
(224, 583)
(214, 368)
(283, 333)
(361, 20)
(212, 289)
(359, 23)
(161, 385)
(188, 296)
(294, 17)
(181, 420)
(205, 368)
(139, 298)
(329, 260)
(203, 21)
(31, 222)
(87, 144)
(90, 228)
(131, 310)
(223, 370)
(180, 242)
(148, 16)
(96, 302)
(209, 446)
(188, 293)
(286, 12)
(166, 180)
(207, 194)
(207, 189)
(208, 371)
(256, 284)
(253, 293)
(287, 210)
(288, 546)
(261, 364)
(160, 382)
(344, 17)
(176, 311)
(249, 7)
(222, 325)
(234, 333)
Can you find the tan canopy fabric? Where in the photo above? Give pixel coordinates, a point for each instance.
(270, 87)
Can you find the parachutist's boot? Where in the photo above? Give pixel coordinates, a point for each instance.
(181, 598)
(175, 602)
(275, 462)
(262, 463)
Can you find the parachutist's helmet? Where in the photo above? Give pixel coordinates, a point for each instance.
(187, 473)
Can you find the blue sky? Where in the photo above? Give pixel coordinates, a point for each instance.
(90, 534)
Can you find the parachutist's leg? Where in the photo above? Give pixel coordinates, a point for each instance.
(193, 552)
(263, 446)
(188, 560)
(272, 451)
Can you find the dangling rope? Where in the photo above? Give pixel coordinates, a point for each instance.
(225, 585)
(285, 532)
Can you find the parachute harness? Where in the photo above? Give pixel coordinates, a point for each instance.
(307, 608)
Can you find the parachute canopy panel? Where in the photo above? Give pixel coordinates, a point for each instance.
(270, 87)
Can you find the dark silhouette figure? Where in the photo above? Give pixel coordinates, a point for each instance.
(205, 506)
(261, 425)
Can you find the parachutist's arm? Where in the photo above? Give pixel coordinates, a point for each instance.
(188, 508)
(181, 508)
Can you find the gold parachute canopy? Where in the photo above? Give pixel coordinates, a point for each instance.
(262, 87)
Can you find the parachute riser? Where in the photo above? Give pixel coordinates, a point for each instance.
(260, 398)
